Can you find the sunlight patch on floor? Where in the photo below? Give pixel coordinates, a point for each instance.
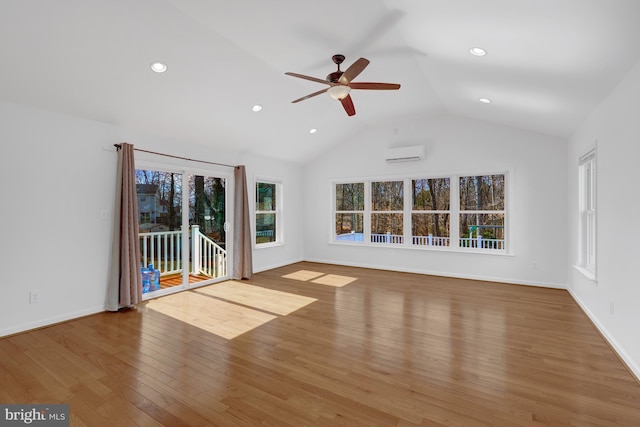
(303, 275)
(224, 319)
(270, 300)
(334, 280)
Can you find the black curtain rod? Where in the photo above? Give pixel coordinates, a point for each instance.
(118, 146)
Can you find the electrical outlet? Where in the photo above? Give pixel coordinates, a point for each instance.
(34, 297)
(105, 214)
(534, 265)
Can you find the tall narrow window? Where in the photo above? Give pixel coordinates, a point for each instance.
(387, 211)
(482, 211)
(588, 212)
(268, 215)
(349, 212)
(430, 212)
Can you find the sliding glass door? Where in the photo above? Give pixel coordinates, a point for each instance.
(207, 225)
(183, 222)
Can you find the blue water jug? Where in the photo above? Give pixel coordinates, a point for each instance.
(154, 278)
(146, 279)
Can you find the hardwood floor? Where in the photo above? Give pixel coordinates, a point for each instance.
(321, 345)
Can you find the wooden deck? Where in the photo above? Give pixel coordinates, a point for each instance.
(172, 280)
(319, 345)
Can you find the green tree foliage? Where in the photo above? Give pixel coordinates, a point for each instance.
(349, 198)
(431, 195)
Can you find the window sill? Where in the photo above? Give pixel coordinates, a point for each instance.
(268, 245)
(586, 273)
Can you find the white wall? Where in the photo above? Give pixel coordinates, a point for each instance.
(58, 174)
(454, 145)
(616, 128)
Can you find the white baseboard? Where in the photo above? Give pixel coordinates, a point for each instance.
(49, 321)
(446, 274)
(631, 364)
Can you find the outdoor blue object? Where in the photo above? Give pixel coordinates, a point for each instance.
(146, 279)
(154, 278)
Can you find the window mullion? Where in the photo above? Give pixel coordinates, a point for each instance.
(407, 209)
(454, 194)
(367, 212)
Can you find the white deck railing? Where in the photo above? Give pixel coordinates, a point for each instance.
(387, 238)
(430, 240)
(207, 257)
(163, 249)
(481, 242)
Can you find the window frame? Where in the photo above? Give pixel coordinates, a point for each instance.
(442, 241)
(587, 214)
(488, 212)
(278, 212)
(453, 212)
(387, 238)
(361, 212)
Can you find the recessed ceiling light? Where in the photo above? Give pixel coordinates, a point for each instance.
(477, 51)
(158, 67)
(314, 130)
(485, 100)
(256, 108)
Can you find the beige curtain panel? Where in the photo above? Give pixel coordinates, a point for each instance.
(242, 255)
(125, 283)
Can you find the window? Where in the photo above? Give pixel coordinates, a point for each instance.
(424, 212)
(268, 212)
(349, 212)
(430, 212)
(587, 220)
(387, 200)
(482, 211)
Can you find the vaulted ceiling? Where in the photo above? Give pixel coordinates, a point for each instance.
(548, 64)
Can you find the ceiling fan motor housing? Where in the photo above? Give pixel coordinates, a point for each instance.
(334, 77)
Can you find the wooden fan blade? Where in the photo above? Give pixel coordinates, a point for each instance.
(353, 71)
(313, 79)
(374, 86)
(347, 103)
(310, 95)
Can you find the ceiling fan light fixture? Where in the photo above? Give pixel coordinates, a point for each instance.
(338, 92)
(477, 51)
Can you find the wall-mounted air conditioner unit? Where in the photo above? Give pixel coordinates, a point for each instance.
(404, 154)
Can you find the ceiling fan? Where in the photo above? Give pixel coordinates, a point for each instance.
(341, 82)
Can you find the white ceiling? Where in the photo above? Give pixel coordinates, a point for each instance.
(549, 63)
